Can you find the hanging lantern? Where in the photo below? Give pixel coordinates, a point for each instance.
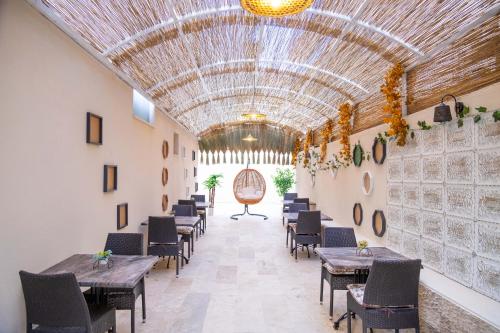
(276, 8)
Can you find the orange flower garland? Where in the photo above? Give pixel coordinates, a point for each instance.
(345, 114)
(326, 134)
(307, 143)
(296, 150)
(398, 127)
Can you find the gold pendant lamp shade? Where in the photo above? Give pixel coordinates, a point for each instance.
(276, 8)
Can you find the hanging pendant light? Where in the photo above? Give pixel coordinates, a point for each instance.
(442, 112)
(249, 138)
(276, 8)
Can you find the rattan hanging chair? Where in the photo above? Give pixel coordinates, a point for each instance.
(249, 188)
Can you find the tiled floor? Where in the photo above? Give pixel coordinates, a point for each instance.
(241, 278)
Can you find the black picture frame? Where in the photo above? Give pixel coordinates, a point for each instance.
(164, 176)
(110, 178)
(121, 216)
(195, 171)
(195, 187)
(383, 227)
(164, 202)
(94, 124)
(357, 155)
(193, 155)
(357, 206)
(379, 160)
(164, 149)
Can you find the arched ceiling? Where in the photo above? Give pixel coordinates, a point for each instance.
(207, 62)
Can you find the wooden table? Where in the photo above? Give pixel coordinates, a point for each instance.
(183, 221)
(346, 258)
(126, 271)
(292, 217)
(202, 204)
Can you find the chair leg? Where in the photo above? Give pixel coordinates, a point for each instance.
(287, 235)
(296, 250)
(308, 255)
(396, 330)
(182, 257)
(177, 267)
(113, 329)
(364, 328)
(192, 241)
(132, 320)
(348, 321)
(168, 262)
(331, 301)
(189, 247)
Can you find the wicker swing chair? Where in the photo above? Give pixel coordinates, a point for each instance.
(249, 187)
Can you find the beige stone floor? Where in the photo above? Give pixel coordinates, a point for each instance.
(241, 278)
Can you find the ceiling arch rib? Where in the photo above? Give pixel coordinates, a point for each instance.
(312, 98)
(270, 61)
(225, 9)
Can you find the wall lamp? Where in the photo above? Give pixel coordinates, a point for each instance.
(442, 112)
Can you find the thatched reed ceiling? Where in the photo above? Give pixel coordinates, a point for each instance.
(207, 62)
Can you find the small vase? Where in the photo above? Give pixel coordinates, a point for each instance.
(365, 252)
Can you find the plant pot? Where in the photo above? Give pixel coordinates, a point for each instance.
(366, 252)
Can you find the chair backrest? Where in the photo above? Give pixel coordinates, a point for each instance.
(296, 207)
(309, 222)
(198, 197)
(393, 283)
(290, 196)
(302, 200)
(162, 230)
(54, 301)
(126, 244)
(192, 203)
(339, 237)
(182, 210)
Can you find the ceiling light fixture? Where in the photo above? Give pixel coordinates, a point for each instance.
(276, 8)
(442, 112)
(249, 138)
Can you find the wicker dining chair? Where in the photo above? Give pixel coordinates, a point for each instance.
(192, 203)
(293, 208)
(201, 212)
(303, 200)
(163, 240)
(306, 232)
(288, 196)
(337, 279)
(127, 244)
(389, 299)
(186, 232)
(54, 303)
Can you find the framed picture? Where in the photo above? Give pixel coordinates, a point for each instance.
(193, 155)
(164, 149)
(379, 151)
(196, 187)
(357, 214)
(195, 171)
(94, 129)
(378, 223)
(176, 143)
(164, 176)
(121, 216)
(110, 182)
(164, 202)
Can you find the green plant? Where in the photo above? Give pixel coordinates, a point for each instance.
(363, 244)
(283, 180)
(211, 183)
(481, 109)
(423, 125)
(496, 115)
(102, 255)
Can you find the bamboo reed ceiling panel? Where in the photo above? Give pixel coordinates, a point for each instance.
(206, 62)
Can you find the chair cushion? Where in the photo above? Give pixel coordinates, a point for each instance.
(358, 292)
(337, 271)
(184, 230)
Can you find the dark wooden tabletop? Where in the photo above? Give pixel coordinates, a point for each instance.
(202, 204)
(125, 272)
(183, 221)
(346, 258)
(292, 217)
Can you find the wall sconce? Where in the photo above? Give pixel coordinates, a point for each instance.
(442, 112)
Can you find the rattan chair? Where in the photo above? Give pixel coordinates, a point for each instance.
(389, 299)
(306, 232)
(54, 303)
(194, 212)
(249, 187)
(288, 196)
(303, 200)
(127, 244)
(201, 212)
(337, 279)
(293, 208)
(164, 241)
(186, 232)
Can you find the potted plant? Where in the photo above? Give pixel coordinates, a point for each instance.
(283, 181)
(211, 183)
(363, 250)
(103, 258)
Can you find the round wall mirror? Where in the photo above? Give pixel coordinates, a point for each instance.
(378, 223)
(367, 183)
(164, 149)
(164, 202)
(357, 214)
(164, 176)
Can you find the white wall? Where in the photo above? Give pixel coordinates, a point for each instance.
(336, 198)
(51, 199)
